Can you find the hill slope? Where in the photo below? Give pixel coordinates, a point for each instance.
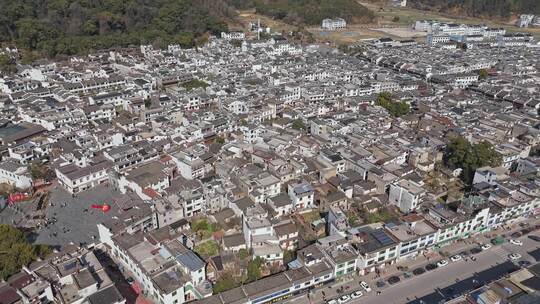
(71, 26)
(308, 12)
(480, 8)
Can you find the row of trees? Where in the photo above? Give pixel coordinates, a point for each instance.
(481, 8)
(16, 251)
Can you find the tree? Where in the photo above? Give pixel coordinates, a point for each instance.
(288, 256)
(28, 56)
(535, 151)
(395, 108)
(36, 170)
(195, 83)
(16, 251)
(395, 19)
(254, 269)
(236, 43)
(243, 253)
(201, 225)
(482, 74)
(219, 140)
(7, 64)
(225, 282)
(460, 153)
(298, 124)
(147, 103)
(344, 48)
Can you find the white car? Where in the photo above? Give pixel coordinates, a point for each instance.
(334, 301)
(485, 246)
(357, 294)
(442, 263)
(344, 299)
(514, 256)
(516, 242)
(365, 286)
(455, 258)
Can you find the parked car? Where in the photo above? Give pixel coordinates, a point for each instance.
(333, 301)
(407, 274)
(515, 235)
(485, 246)
(380, 284)
(476, 250)
(455, 258)
(526, 231)
(516, 242)
(430, 267)
(535, 238)
(442, 263)
(524, 263)
(498, 240)
(393, 280)
(344, 299)
(514, 256)
(418, 271)
(464, 253)
(365, 286)
(357, 294)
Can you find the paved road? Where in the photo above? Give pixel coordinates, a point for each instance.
(490, 265)
(425, 284)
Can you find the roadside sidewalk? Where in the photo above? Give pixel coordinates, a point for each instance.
(408, 264)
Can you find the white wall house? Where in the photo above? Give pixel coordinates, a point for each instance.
(302, 195)
(233, 35)
(76, 179)
(190, 166)
(406, 195)
(15, 174)
(334, 24)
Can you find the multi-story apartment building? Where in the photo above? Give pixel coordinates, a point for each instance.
(406, 195)
(302, 195)
(334, 24)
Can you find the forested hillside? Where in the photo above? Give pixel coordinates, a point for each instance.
(71, 26)
(310, 12)
(480, 8)
(52, 27)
